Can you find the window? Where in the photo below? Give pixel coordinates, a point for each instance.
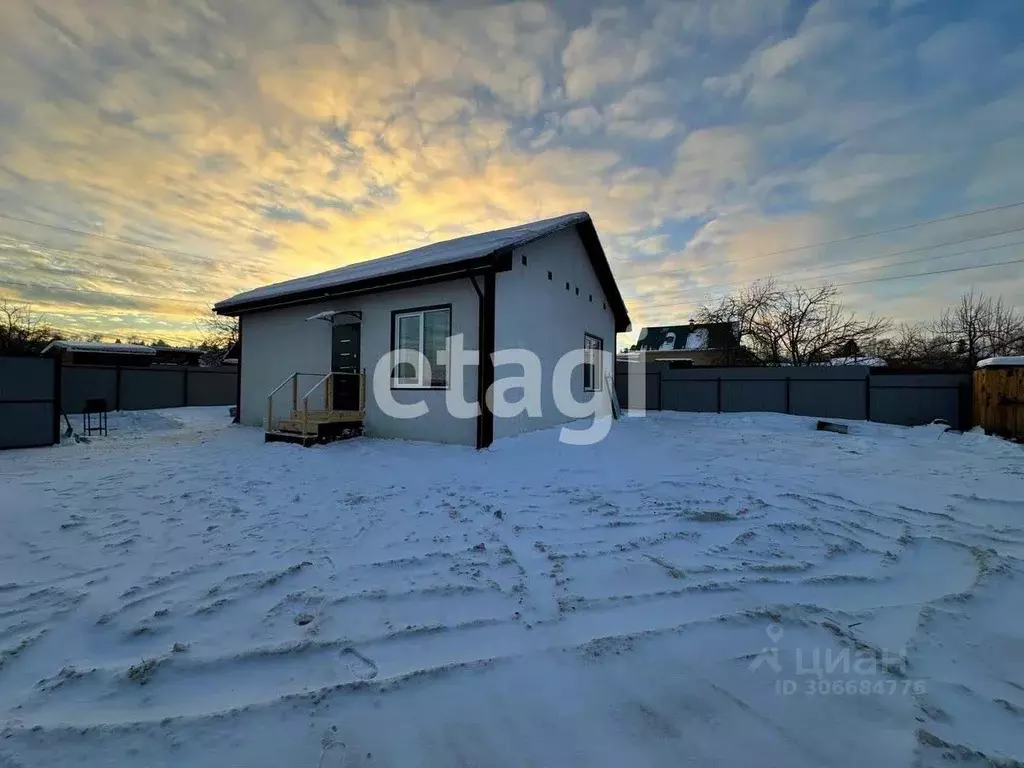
(524, 259)
(577, 290)
(420, 332)
(567, 286)
(549, 274)
(591, 298)
(592, 363)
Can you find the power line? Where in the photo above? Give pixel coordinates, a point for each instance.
(14, 241)
(720, 286)
(119, 240)
(102, 293)
(851, 238)
(903, 277)
(934, 272)
(921, 261)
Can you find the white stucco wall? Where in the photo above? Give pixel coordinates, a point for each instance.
(279, 342)
(535, 313)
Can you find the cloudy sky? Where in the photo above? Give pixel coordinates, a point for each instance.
(247, 141)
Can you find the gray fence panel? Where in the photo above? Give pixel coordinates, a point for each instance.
(754, 395)
(26, 378)
(145, 388)
(681, 395)
(27, 414)
(912, 399)
(81, 384)
(211, 387)
(830, 392)
(652, 385)
(836, 399)
(26, 425)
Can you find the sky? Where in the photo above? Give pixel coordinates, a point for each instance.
(157, 157)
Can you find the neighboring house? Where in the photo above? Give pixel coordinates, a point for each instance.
(545, 287)
(177, 356)
(128, 355)
(99, 353)
(704, 343)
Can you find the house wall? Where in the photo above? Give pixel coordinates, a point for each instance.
(541, 315)
(279, 342)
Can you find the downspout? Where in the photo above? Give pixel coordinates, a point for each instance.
(485, 368)
(238, 379)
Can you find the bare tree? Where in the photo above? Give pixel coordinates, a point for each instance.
(965, 324)
(22, 331)
(979, 326)
(794, 324)
(915, 346)
(219, 335)
(1005, 330)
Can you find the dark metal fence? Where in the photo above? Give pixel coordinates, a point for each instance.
(34, 391)
(29, 393)
(139, 389)
(847, 392)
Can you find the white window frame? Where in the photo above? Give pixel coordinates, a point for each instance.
(596, 363)
(419, 382)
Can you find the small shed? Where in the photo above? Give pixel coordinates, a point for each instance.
(999, 396)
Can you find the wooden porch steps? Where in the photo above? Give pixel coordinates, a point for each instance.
(307, 426)
(318, 416)
(319, 427)
(276, 436)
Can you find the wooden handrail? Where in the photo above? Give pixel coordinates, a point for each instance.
(305, 401)
(327, 377)
(294, 378)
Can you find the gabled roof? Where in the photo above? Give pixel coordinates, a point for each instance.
(473, 254)
(98, 346)
(691, 338)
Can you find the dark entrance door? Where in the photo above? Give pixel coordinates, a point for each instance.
(345, 359)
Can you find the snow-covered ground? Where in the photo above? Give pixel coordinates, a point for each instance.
(695, 590)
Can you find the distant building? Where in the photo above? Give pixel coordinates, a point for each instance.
(177, 356)
(101, 353)
(701, 343)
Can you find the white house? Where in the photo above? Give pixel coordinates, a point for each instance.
(338, 336)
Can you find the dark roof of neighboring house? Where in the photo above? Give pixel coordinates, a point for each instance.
(691, 337)
(99, 347)
(473, 254)
(232, 355)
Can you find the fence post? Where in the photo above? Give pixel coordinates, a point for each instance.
(117, 388)
(58, 397)
(184, 388)
(867, 397)
(789, 396)
(719, 394)
(965, 405)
